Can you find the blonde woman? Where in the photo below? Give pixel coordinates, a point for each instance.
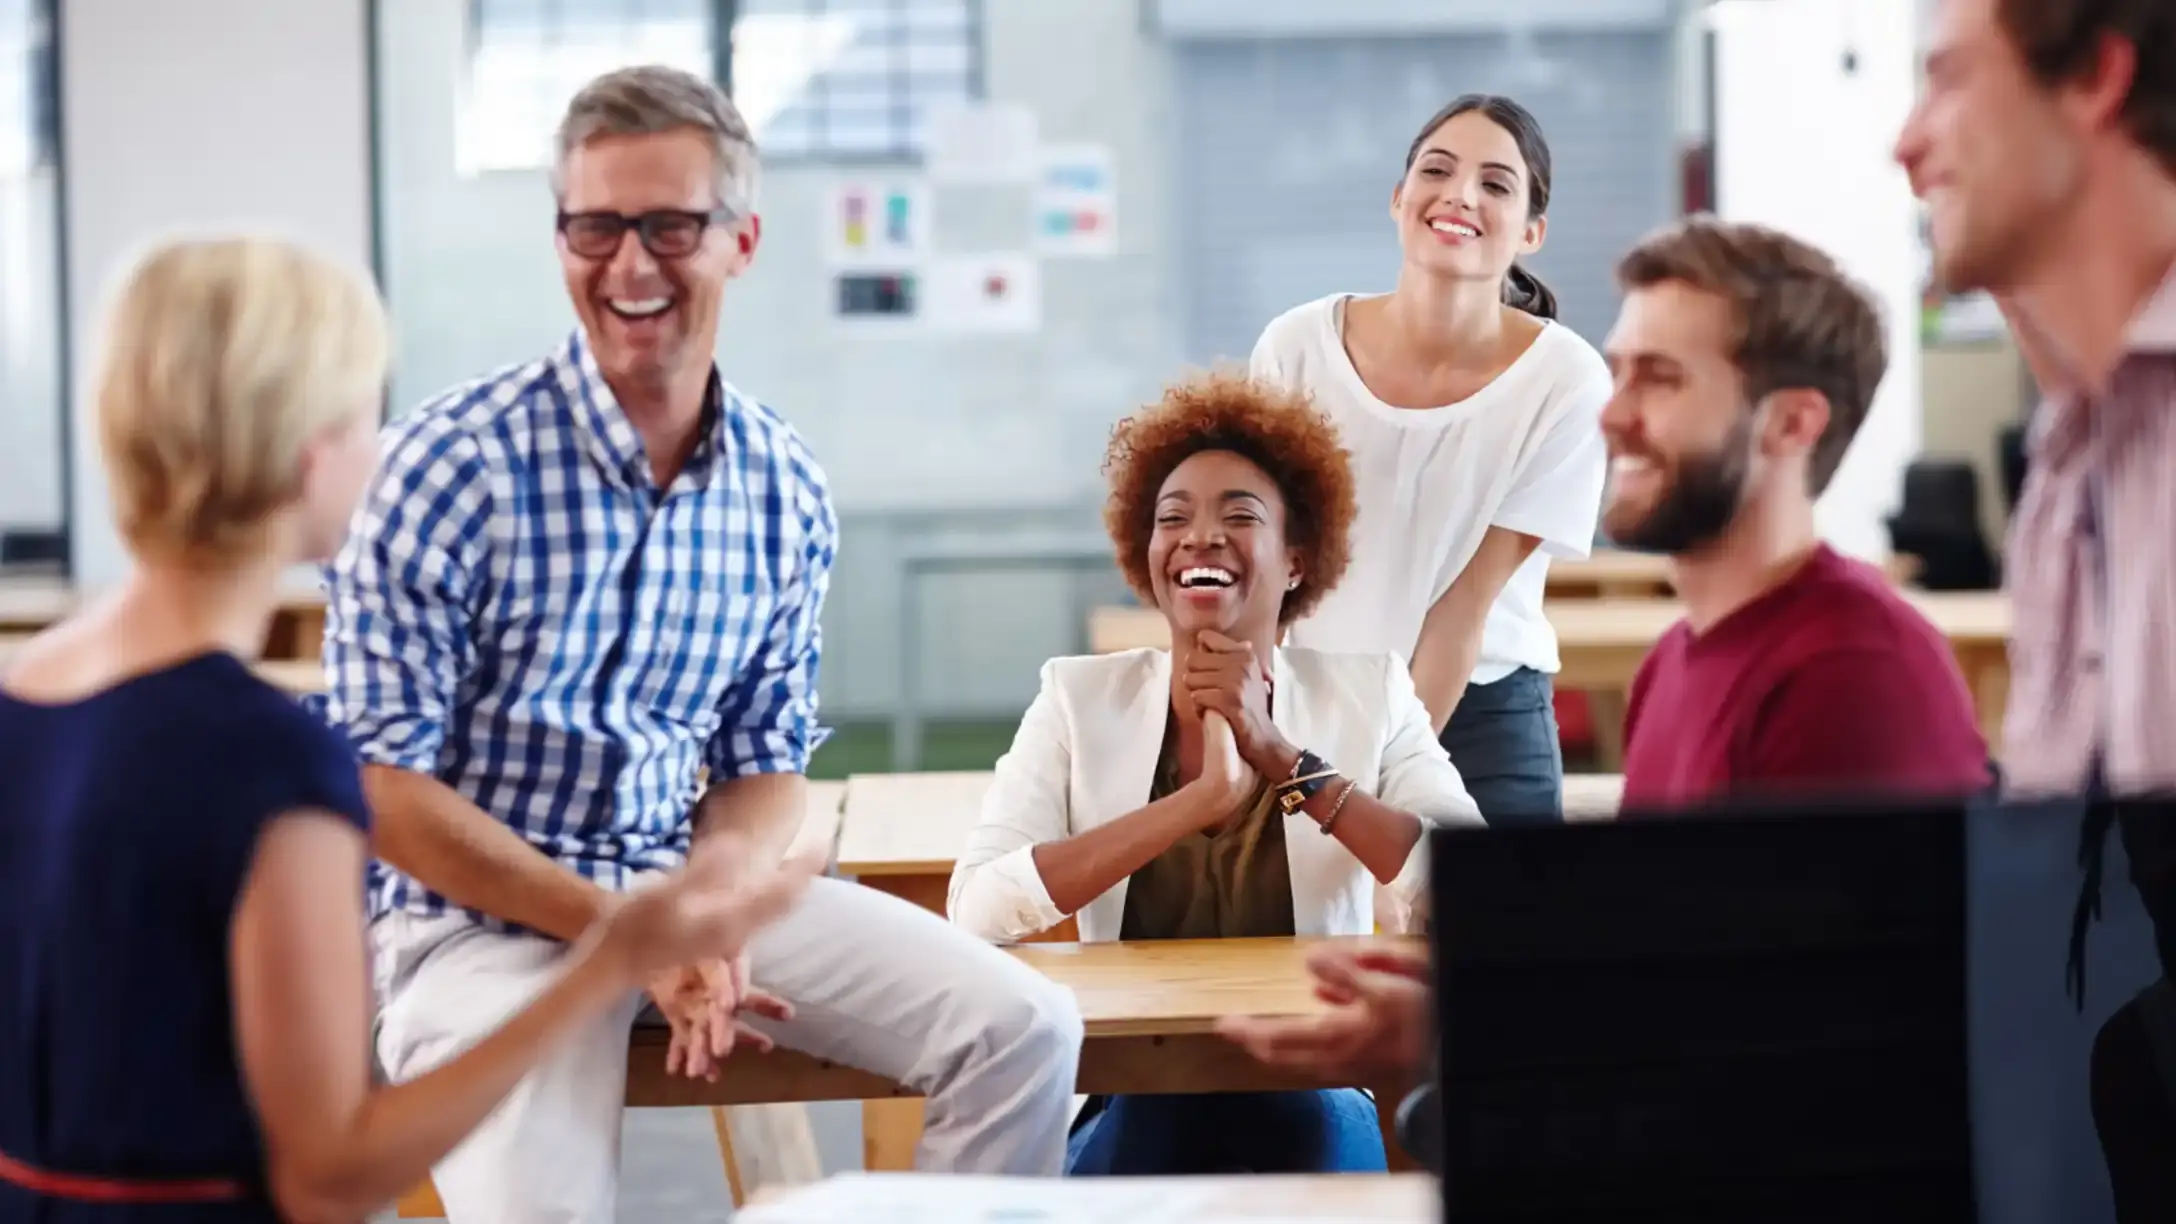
(184, 1011)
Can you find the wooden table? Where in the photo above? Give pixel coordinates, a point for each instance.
(296, 677)
(1149, 1009)
(901, 835)
(1404, 1198)
(1612, 573)
(1616, 573)
(1602, 641)
(28, 605)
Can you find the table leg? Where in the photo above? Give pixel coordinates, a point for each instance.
(907, 714)
(1605, 708)
(1987, 671)
(309, 632)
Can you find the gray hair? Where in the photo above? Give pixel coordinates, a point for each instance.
(652, 98)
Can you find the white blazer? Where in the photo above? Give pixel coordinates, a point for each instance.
(1086, 755)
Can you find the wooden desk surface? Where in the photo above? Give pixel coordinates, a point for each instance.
(297, 677)
(915, 824)
(1404, 1198)
(1966, 618)
(34, 603)
(1148, 1011)
(908, 823)
(1612, 571)
(1175, 987)
(821, 823)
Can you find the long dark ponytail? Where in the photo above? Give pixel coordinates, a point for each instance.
(1526, 291)
(1522, 288)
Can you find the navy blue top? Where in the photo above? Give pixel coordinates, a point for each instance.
(127, 824)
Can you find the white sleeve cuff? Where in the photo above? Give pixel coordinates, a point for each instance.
(1003, 900)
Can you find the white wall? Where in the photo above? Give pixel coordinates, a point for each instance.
(30, 393)
(199, 115)
(1803, 146)
(922, 435)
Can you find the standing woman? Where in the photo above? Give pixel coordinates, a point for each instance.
(1473, 419)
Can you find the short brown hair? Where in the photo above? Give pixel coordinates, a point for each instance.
(2061, 39)
(1274, 428)
(1800, 322)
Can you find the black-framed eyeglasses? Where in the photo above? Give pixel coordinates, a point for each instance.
(667, 233)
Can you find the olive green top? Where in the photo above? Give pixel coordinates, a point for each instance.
(1232, 881)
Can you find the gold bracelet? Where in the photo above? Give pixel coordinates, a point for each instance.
(1292, 783)
(1339, 806)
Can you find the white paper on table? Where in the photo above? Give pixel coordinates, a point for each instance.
(910, 1198)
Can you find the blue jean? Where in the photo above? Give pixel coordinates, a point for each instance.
(1333, 1130)
(1503, 739)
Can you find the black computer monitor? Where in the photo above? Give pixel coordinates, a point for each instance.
(1776, 1015)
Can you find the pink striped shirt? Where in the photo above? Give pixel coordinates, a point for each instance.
(2092, 579)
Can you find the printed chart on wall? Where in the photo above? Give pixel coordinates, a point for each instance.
(1076, 202)
(877, 241)
(998, 292)
(876, 225)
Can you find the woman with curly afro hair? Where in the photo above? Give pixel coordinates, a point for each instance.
(1225, 788)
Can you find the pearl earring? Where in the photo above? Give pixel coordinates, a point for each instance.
(1293, 585)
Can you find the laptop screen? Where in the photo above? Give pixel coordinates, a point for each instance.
(1780, 1015)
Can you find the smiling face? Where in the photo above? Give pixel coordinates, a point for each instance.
(1679, 433)
(1218, 557)
(648, 318)
(1463, 207)
(1989, 150)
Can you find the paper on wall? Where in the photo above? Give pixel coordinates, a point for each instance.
(876, 225)
(1000, 292)
(980, 142)
(1076, 202)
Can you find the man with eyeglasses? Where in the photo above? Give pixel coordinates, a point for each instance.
(574, 637)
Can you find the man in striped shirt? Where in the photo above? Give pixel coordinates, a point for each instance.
(2045, 147)
(574, 637)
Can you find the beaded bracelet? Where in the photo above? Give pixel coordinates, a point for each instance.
(1339, 806)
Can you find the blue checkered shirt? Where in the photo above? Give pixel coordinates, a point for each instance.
(522, 614)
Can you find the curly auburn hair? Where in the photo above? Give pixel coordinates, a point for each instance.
(1275, 429)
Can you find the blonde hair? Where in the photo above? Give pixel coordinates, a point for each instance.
(224, 358)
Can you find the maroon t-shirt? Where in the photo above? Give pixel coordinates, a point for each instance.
(1830, 683)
